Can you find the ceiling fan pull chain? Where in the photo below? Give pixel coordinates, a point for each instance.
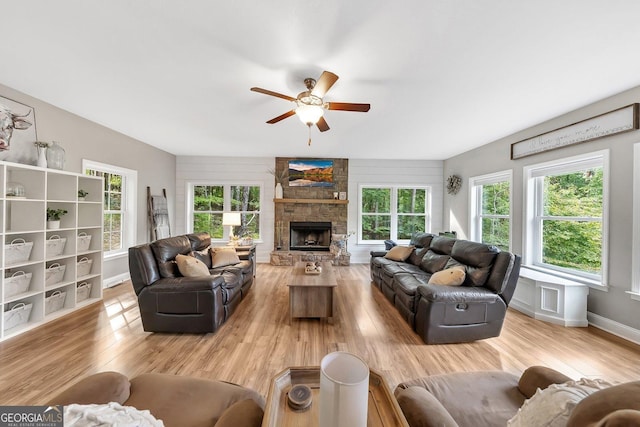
(309, 143)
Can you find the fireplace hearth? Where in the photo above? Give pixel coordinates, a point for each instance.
(309, 235)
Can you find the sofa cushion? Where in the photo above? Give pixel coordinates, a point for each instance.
(553, 406)
(203, 255)
(478, 259)
(474, 398)
(103, 387)
(422, 409)
(421, 240)
(416, 256)
(449, 277)
(199, 241)
(221, 257)
(399, 253)
(190, 266)
(597, 405)
(165, 251)
(442, 244)
(433, 262)
(245, 413)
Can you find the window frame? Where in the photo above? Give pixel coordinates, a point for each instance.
(128, 204)
(634, 293)
(226, 192)
(394, 210)
(533, 196)
(475, 202)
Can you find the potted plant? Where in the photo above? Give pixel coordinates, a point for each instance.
(53, 217)
(82, 194)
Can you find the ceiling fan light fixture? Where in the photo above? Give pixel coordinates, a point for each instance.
(309, 114)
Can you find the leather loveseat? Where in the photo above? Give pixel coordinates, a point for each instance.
(178, 401)
(170, 302)
(449, 314)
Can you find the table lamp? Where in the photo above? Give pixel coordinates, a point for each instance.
(231, 219)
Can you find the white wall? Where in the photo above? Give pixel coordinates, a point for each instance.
(84, 139)
(613, 305)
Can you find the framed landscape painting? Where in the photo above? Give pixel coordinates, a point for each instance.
(310, 173)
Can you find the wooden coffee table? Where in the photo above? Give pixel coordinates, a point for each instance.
(311, 295)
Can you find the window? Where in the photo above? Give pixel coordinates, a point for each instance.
(566, 216)
(392, 212)
(211, 200)
(490, 203)
(119, 216)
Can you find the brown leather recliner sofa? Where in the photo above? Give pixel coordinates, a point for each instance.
(449, 314)
(170, 302)
(178, 401)
(491, 398)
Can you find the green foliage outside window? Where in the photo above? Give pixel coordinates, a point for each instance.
(377, 212)
(208, 206)
(495, 202)
(573, 243)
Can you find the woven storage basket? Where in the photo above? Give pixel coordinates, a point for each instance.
(83, 291)
(84, 266)
(84, 241)
(17, 283)
(54, 274)
(17, 251)
(17, 315)
(55, 245)
(54, 302)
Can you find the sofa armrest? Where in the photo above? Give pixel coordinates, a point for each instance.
(539, 377)
(595, 408)
(422, 409)
(245, 413)
(186, 284)
(100, 388)
(375, 254)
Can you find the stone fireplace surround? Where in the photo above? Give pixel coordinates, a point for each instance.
(310, 204)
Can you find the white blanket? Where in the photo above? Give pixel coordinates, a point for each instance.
(110, 415)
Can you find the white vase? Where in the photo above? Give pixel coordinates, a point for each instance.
(42, 157)
(278, 191)
(53, 225)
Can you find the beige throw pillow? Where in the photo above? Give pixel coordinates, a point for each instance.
(191, 267)
(221, 257)
(453, 276)
(399, 253)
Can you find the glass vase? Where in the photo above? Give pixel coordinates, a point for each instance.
(55, 156)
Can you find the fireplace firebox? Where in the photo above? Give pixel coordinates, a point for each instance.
(309, 236)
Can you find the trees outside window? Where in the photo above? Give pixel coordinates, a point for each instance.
(491, 209)
(567, 216)
(391, 212)
(210, 201)
(119, 216)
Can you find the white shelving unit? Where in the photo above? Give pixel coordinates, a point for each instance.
(52, 271)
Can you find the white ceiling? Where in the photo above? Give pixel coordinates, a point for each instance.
(442, 76)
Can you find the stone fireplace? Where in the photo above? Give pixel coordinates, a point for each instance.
(310, 205)
(309, 235)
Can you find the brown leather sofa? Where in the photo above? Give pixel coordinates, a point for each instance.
(491, 398)
(176, 400)
(449, 314)
(170, 302)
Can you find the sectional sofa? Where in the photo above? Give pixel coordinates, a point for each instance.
(469, 309)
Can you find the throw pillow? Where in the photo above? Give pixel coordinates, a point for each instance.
(552, 406)
(453, 276)
(191, 267)
(221, 257)
(399, 253)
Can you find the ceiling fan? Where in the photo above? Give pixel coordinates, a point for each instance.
(309, 105)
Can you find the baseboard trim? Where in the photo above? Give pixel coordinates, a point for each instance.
(615, 328)
(115, 280)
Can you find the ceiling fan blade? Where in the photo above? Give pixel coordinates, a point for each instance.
(324, 83)
(322, 125)
(272, 93)
(282, 117)
(348, 106)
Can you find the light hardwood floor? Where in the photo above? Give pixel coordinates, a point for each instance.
(258, 342)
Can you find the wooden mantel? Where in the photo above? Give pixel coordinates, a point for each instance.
(327, 201)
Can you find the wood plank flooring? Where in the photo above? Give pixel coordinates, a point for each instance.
(258, 342)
